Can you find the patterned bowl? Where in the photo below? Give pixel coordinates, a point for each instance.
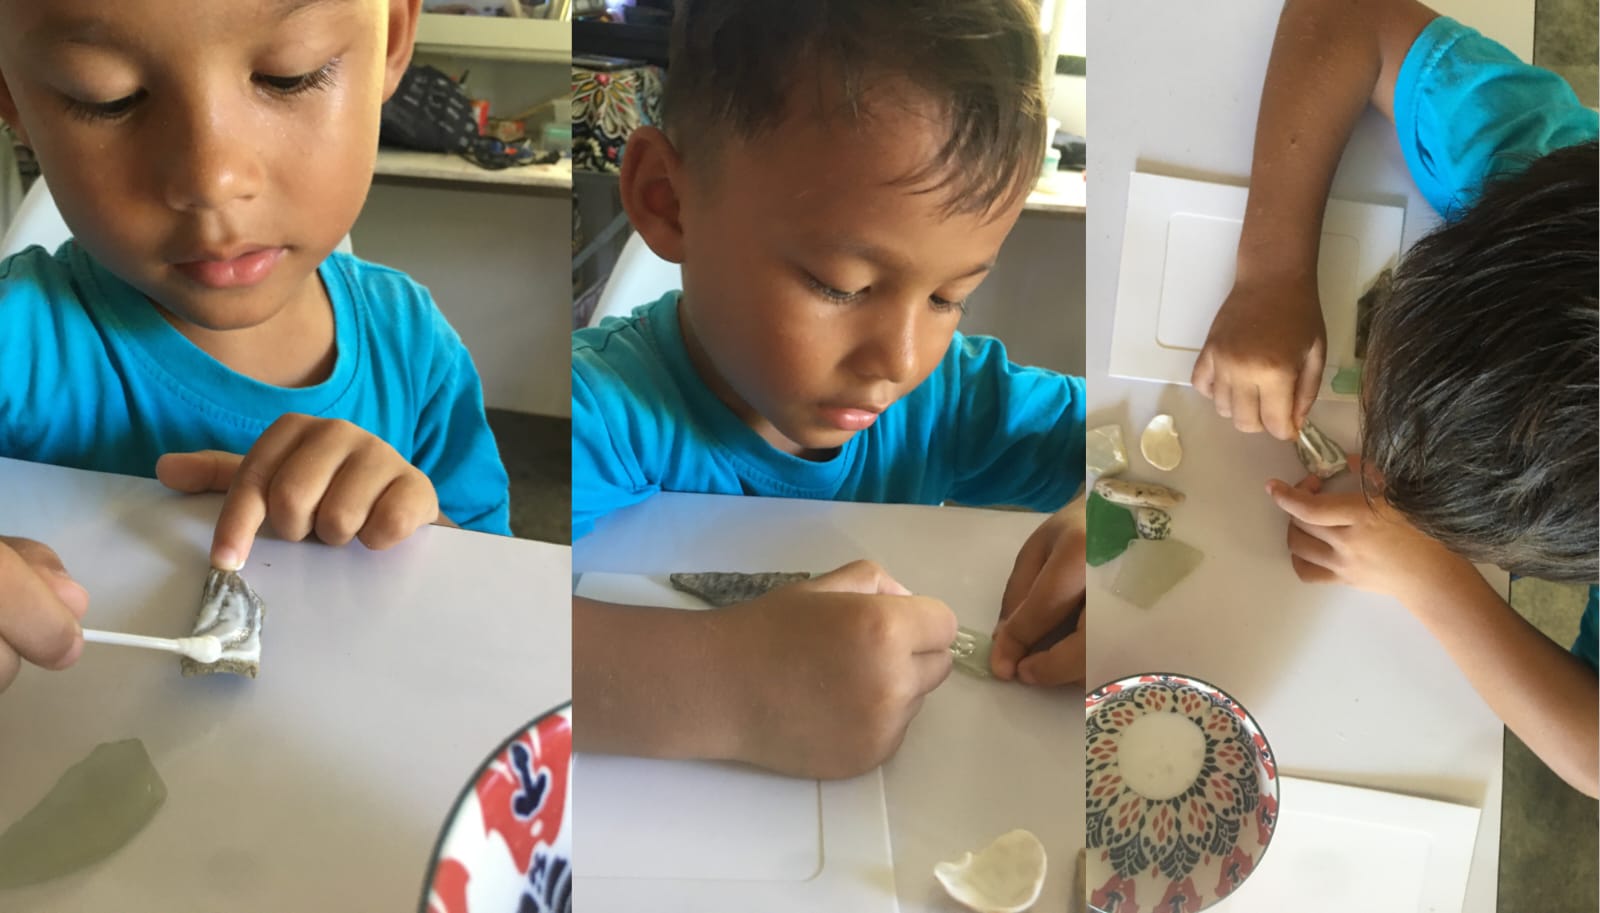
(1182, 795)
(507, 844)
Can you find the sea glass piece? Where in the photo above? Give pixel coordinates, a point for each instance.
(1152, 568)
(725, 588)
(1003, 877)
(1160, 445)
(1104, 452)
(96, 807)
(1348, 381)
(1152, 523)
(1110, 527)
(971, 652)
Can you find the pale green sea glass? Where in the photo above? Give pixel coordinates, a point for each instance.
(96, 807)
(1152, 567)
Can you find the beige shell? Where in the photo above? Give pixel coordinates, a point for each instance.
(1159, 443)
(1003, 877)
(1138, 494)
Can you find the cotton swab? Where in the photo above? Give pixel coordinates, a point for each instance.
(202, 649)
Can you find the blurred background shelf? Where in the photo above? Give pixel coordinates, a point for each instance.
(405, 165)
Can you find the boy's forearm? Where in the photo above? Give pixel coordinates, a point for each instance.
(1543, 693)
(646, 681)
(1329, 58)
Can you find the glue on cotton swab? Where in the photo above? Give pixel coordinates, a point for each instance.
(202, 649)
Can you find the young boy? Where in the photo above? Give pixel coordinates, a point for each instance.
(208, 158)
(835, 180)
(1479, 391)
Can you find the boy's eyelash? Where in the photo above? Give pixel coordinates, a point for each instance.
(842, 297)
(285, 86)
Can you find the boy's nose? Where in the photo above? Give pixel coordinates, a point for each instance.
(212, 164)
(890, 351)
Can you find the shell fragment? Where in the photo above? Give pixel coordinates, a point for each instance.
(1003, 877)
(1104, 452)
(1152, 523)
(1321, 455)
(1160, 445)
(1138, 494)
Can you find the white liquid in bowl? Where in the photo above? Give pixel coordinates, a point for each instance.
(1160, 754)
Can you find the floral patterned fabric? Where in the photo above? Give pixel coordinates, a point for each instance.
(606, 106)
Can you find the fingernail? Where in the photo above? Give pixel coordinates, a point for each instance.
(226, 559)
(1025, 673)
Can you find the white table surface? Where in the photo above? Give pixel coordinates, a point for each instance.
(387, 678)
(976, 762)
(1347, 686)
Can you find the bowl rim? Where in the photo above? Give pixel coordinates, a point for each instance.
(1277, 779)
(461, 797)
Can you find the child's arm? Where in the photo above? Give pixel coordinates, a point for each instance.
(1045, 589)
(40, 605)
(307, 476)
(1263, 359)
(1543, 693)
(817, 679)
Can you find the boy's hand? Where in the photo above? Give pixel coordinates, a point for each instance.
(40, 605)
(1340, 538)
(307, 475)
(1263, 359)
(832, 670)
(1045, 589)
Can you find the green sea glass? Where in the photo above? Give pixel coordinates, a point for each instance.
(971, 652)
(1348, 381)
(98, 805)
(1110, 527)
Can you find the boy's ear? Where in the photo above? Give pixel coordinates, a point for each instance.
(8, 111)
(652, 174)
(402, 38)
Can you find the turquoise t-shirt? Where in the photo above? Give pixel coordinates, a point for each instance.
(92, 377)
(980, 430)
(1466, 110)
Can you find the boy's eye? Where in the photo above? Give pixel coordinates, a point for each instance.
(945, 304)
(833, 294)
(104, 110)
(320, 78)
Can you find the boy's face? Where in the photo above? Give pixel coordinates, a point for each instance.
(211, 154)
(817, 290)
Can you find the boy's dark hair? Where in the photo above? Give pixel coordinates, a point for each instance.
(734, 63)
(1479, 404)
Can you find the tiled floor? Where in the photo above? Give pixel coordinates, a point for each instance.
(537, 452)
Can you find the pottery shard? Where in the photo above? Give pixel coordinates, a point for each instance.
(724, 588)
(1138, 494)
(1152, 523)
(1321, 455)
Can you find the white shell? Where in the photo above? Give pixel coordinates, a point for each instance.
(1003, 877)
(1159, 443)
(1138, 494)
(1104, 452)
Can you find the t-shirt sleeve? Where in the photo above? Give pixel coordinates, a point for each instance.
(605, 471)
(455, 446)
(1466, 109)
(1019, 437)
(1587, 646)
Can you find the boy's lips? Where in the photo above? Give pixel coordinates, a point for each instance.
(233, 269)
(851, 418)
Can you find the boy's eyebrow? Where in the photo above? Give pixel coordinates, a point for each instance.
(886, 258)
(287, 8)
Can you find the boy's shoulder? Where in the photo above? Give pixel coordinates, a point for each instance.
(642, 351)
(396, 312)
(1467, 109)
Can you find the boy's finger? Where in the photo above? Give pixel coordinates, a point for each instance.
(245, 507)
(859, 577)
(1306, 385)
(931, 625)
(1247, 408)
(47, 564)
(1306, 545)
(1024, 571)
(1204, 373)
(1222, 399)
(404, 507)
(1316, 509)
(1062, 664)
(1277, 407)
(10, 665)
(1311, 572)
(36, 624)
(197, 472)
(298, 485)
(352, 497)
(930, 670)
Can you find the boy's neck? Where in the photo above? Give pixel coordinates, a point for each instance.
(296, 347)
